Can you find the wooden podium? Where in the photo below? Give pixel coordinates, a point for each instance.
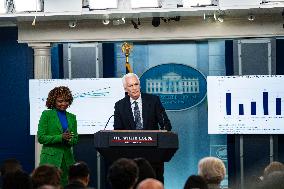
(157, 146)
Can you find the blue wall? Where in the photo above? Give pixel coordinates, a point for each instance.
(16, 68)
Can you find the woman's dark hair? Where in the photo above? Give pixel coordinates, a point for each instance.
(46, 175)
(63, 92)
(145, 169)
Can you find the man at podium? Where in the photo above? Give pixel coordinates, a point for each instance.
(139, 111)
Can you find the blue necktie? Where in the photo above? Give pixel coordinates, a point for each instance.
(137, 117)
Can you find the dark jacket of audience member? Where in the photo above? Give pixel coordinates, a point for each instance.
(195, 181)
(123, 174)
(145, 170)
(78, 176)
(17, 180)
(46, 175)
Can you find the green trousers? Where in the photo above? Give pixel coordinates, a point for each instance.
(64, 176)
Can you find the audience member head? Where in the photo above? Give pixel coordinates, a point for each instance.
(150, 183)
(195, 181)
(145, 169)
(272, 167)
(212, 169)
(123, 174)
(79, 172)
(10, 166)
(46, 175)
(17, 180)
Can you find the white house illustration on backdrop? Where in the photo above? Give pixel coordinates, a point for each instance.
(172, 83)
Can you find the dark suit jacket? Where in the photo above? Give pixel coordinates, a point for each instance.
(153, 113)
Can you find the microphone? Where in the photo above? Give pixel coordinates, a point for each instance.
(108, 122)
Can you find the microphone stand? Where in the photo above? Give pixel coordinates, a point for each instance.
(108, 121)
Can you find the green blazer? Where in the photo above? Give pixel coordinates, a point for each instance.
(49, 134)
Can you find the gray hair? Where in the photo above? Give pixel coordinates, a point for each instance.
(212, 169)
(127, 76)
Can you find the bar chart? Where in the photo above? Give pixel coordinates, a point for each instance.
(265, 108)
(245, 104)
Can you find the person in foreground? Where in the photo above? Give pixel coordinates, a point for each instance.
(195, 181)
(213, 170)
(150, 183)
(79, 176)
(123, 174)
(139, 111)
(145, 170)
(46, 175)
(57, 131)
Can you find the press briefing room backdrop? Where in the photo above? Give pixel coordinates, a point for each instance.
(245, 156)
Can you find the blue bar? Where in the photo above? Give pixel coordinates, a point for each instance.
(228, 103)
(241, 109)
(265, 103)
(278, 106)
(253, 108)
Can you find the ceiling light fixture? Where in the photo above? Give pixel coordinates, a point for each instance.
(220, 18)
(251, 17)
(135, 25)
(156, 21)
(72, 24)
(105, 20)
(210, 18)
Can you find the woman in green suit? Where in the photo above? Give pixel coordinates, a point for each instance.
(57, 131)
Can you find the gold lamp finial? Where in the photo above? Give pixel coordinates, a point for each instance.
(126, 49)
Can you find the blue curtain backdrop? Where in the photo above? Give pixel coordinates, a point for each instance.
(191, 125)
(16, 68)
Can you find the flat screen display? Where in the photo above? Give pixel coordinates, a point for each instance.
(93, 102)
(245, 104)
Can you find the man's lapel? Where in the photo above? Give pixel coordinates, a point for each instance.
(145, 108)
(128, 112)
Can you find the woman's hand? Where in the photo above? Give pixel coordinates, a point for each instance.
(67, 136)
